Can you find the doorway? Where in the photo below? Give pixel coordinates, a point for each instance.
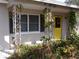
(57, 27)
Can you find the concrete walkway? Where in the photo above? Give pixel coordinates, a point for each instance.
(6, 53)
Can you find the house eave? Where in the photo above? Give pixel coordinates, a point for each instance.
(58, 3)
(3, 2)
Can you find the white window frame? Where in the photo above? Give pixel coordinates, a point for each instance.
(31, 32)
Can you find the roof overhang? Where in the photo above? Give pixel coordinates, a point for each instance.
(3, 1)
(53, 2)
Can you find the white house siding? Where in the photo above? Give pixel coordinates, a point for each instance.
(4, 27)
(64, 27)
(29, 37)
(36, 9)
(33, 37)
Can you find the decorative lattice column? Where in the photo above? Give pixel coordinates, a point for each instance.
(16, 26)
(48, 22)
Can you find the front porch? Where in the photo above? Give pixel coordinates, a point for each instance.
(31, 25)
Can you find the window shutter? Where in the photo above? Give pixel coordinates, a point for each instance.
(42, 23)
(10, 23)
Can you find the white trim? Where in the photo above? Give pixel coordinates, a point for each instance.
(27, 22)
(29, 14)
(39, 23)
(35, 32)
(22, 33)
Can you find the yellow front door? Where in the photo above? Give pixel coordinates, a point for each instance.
(57, 27)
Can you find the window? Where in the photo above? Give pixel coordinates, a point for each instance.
(33, 23)
(30, 23)
(57, 22)
(24, 23)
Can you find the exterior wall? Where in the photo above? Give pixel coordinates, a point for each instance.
(33, 37)
(37, 9)
(4, 27)
(29, 37)
(64, 27)
(36, 36)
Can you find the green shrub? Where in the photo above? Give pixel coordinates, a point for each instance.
(14, 56)
(63, 48)
(66, 47)
(31, 52)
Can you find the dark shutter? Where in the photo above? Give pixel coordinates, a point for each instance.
(10, 23)
(42, 23)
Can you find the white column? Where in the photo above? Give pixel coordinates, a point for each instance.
(17, 25)
(14, 22)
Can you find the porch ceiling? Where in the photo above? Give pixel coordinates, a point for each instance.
(32, 4)
(42, 7)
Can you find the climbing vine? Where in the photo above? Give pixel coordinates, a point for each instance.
(72, 22)
(48, 22)
(48, 17)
